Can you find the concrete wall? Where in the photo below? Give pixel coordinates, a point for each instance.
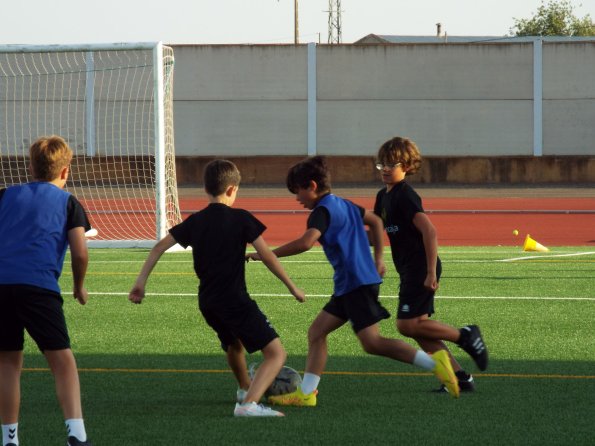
(569, 99)
(240, 100)
(454, 100)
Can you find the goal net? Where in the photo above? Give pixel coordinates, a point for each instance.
(114, 106)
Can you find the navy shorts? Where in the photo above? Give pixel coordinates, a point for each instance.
(37, 310)
(414, 299)
(360, 307)
(244, 322)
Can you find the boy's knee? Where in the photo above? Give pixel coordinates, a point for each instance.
(314, 335)
(275, 351)
(370, 347)
(406, 328)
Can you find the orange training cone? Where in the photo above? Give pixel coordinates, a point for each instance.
(532, 245)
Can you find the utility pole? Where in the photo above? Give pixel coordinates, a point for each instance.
(296, 32)
(334, 22)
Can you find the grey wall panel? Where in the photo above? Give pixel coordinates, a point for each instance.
(241, 128)
(425, 72)
(569, 127)
(569, 70)
(440, 128)
(240, 72)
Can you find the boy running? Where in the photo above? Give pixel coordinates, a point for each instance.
(218, 236)
(338, 225)
(414, 246)
(38, 221)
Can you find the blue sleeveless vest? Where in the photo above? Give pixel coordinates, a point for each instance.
(33, 236)
(346, 246)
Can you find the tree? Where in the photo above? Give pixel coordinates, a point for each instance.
(556, 18)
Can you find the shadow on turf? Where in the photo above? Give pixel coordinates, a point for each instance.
(131, 399)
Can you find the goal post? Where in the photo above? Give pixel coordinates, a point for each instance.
(113, 103)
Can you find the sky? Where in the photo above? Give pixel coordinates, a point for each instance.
(253, 21)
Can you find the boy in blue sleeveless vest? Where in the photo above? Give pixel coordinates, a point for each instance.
(38, 221)
(218, 235)
(338, 225)
(414, 248)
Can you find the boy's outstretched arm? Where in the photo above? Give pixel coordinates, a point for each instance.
(79, 255)
(375, 235)
(137, 294)
(297, 246)
(272, 263)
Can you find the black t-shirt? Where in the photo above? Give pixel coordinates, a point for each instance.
(218, 235)
(397, 209)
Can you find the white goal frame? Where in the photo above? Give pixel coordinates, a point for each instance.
(113, 103)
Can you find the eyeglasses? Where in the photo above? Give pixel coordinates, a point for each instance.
(381, 166)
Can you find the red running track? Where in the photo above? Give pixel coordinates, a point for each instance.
(563, 222)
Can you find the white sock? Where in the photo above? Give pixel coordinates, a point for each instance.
(309, 383)
(76, 428)
(10, 433)
(423, 360)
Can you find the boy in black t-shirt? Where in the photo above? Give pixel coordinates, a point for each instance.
(414, 246)
(218, 235)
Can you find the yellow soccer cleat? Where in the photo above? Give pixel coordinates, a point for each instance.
(443, 371)
(296, 398)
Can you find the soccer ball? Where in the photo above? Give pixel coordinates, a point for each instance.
(287, 381)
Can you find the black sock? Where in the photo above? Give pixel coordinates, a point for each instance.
(462, 375)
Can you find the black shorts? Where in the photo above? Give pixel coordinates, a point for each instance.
(414, 299)
(360, 307)
(244, 322)
(37, 310)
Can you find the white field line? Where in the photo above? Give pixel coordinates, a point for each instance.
(546, 256)
(284, 260)
(326, 296)
(189, 261)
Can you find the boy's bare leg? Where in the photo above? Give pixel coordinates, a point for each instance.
(324, 324)
(236, 358)
(429, 334)
(68, 390)
(11, 364)
(274, 357)
(424, 327)
(375, 344)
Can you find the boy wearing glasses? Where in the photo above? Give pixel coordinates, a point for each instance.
(414, 246)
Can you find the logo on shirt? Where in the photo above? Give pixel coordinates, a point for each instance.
(392, 229)
(405, 309)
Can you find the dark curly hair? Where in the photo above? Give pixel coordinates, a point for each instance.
(311, 169)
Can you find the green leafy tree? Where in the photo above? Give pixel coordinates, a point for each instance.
(556, 18)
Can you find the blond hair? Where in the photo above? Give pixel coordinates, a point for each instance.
(49, 155)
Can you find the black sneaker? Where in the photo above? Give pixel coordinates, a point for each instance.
(466, 383)
(472, 342)
(73, 441)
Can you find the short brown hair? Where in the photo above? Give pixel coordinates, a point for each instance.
(49, 155)
(219, 175)
(311, 169)
(400, 150)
